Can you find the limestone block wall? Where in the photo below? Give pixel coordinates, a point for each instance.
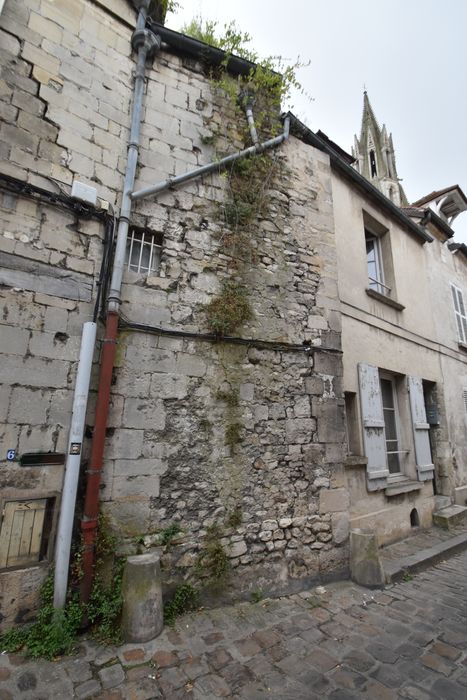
(243, 436)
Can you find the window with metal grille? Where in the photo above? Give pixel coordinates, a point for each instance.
(459, 310)
(25, 531)
(143, 251)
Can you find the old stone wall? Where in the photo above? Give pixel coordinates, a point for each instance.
(237, 441)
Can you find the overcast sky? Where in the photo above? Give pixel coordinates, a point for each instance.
(410, 55)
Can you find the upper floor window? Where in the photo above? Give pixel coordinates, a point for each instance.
(459, 310)
(143, 251)
(374, 263)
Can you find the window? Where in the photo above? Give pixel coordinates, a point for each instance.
(374, 264)
(143, 251)
(459, 310)
(373, 164)
(391, 419)
(393, 413)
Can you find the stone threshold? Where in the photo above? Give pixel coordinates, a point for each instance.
(395, 568)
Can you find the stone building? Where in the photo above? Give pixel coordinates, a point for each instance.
(238, 439)
(403, 334)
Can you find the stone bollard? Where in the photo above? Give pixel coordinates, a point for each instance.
(142, 614)
(365, 565)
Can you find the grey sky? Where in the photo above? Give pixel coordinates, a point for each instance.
(411, 55)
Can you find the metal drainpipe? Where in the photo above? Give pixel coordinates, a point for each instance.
(214, 167)
(145, 42)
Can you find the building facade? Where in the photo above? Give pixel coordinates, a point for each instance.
(238, 440)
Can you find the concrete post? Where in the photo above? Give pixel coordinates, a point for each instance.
(365, 565)
(142, 615)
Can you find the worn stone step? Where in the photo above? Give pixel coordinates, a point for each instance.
(395, 569)
(450, 517)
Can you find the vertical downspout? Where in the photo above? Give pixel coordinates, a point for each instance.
(145, 42)
(73, 463)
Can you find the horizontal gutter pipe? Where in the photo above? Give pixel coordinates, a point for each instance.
(202, 51)
(213, 167)
(72, 467)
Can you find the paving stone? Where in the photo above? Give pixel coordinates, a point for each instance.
(437, 663)
(79, 670)
(375, 691)
(163, 659)
(248, 647)
(412, 692)
(26, 681)
(382, 653)
(195, 667)
(218, 658)
(347, 678)
(212, 685)
(213, 638)
(171, 679)
(388, 675)
(342, 694)
(446, 650)
(266, 638)
(408, 651)
(87, 689)
(447, 690)
(321, 661)
(359, 660)
(111, 676)
(134, 655)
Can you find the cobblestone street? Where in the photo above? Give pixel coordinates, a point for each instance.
(342, 642)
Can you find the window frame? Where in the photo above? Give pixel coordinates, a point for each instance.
(145, 238)
(386, 376)
(377, 283)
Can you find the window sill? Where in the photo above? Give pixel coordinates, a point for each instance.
(355, 461)
(463, 346)
(386, 300)
(402, 486)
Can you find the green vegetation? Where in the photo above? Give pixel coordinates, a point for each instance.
(185, 598)
(213, 562)
(55, 631)
(169, 533)
(256, 596)
(234, 518)
(229, 310)
(228, 397)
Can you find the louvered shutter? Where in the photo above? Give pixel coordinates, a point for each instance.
(421, 430)
(461, 318)
(373, 427)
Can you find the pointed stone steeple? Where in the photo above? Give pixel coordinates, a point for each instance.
(375, 158)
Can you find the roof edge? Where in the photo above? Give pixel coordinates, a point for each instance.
(308, 136)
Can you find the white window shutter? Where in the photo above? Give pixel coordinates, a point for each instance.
(373, 427)
(421, 430)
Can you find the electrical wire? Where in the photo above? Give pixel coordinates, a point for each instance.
(305, 347)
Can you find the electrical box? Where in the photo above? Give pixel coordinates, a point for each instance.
(85, 193)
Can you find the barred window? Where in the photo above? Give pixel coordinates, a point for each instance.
(143, 251)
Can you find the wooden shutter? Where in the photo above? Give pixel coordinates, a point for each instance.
(461, 318)
(21, 532)
(373, 427)
(421, 430)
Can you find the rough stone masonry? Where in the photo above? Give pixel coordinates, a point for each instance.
(242, 440)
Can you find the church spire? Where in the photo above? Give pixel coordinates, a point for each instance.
(375, 158)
